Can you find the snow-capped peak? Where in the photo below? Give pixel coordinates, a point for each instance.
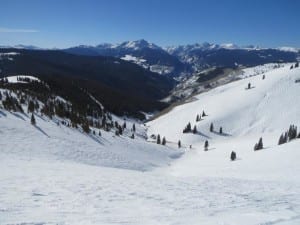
(288, 49)
(139, 44)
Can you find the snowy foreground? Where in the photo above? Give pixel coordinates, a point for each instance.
(56, 175)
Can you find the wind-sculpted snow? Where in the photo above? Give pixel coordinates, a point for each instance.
(35, 191)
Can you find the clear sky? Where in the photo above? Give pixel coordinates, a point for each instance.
(62, 23)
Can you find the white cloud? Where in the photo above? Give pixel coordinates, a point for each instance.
(10, 30)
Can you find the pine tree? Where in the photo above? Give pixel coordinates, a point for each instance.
(221, 130)
(281, 140)
(31, 106)
(233, 156)
(158, 139)
(132, 136)
(85, 127)
(203, 113)
(124, 125)
(179, 144)
(259, 145)
(264, 76)
(188, 128)
(297, 64)
(197, 118)
(99, 133)
(33, 119)
(195, 129)
(211, 128)
(133, 127)
(94, 132)
(164, 141)
(249, 85)
(206, 145)
(120, 130)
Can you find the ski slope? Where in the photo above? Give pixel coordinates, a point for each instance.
(266, 110)
(58, 175)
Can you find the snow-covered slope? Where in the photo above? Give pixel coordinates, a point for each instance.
(266, 110)
(54, 174)
(50, 138)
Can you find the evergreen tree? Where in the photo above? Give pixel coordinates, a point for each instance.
(132, 136)
(31, 106)
(99, 133)
(281, 139)
(206, 145)
(259, 145)
(203, 113)
(233, 156)
(211, 128)
(158, 139)
(179, 144)
(297, 64)
(133, 127)
(249, 85)
(124, 125)
(221, 130)
(264, 76)
(197, 118)
(188, 128)
(195, 129)
(120, 130)
(292, 132)
(33, 119)
(85, 127)
(94, 132)
(164, 141)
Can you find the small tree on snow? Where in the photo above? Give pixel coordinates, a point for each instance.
(249, 85)
(33, 122)
(233, 156)
(195, 129)
(211, 128)
(31, 106)
(133, 127)
(179, 144)
(203, 113)
(221, 130)
(206, 145)
(158, 139)
(259, 145)
(164, 141)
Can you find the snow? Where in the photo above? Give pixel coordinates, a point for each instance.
(132, 58)
(57, 175)
(14, 79)
(288, 49)
(8, 53)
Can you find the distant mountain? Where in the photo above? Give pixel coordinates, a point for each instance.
(184, 60)
(141, 52)
(122, 87)
(206, 55)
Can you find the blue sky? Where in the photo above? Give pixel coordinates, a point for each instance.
(59, 23)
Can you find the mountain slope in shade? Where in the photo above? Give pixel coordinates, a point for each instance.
(149, 55)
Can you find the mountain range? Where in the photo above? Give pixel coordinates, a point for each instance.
(184, 60)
